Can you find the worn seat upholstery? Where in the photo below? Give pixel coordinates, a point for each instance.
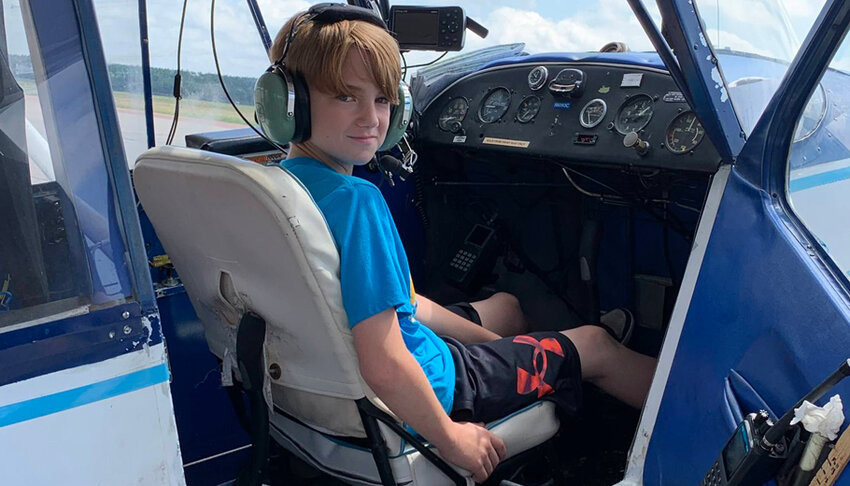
(249, 237)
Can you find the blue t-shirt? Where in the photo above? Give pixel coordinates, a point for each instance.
(374, 273)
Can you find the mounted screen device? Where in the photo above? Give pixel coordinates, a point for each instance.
(418, 28)
(428, 28)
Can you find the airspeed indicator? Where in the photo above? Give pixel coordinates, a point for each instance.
(495, 104)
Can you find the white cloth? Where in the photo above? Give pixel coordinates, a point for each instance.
(825, 420)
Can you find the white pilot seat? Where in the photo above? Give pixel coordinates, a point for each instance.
(242, 237)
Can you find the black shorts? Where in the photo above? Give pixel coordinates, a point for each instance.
(465, 310)
(497, 378)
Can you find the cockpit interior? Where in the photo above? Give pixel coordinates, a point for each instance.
(574, 182)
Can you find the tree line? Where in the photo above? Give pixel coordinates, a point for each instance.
(193, 85)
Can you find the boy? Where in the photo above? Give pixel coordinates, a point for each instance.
(352, 71)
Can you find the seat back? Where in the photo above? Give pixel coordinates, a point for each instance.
(247, 237)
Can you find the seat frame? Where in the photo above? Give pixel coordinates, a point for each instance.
(250, 339)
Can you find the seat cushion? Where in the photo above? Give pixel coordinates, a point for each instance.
(521, 431)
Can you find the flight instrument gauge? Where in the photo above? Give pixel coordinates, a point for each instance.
(684, 133)
(527, 109)
(537, 77)
(494, 106)
(593, 113)
(568, 83)
(453, 114)
(634, 115)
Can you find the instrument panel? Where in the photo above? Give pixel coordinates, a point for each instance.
(599, 113)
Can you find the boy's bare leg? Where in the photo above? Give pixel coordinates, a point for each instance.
(502, 314)
(614, 368)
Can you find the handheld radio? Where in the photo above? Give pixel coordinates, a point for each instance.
(758, 447)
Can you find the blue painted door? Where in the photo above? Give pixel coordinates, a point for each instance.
(84, 379)
(763, 314)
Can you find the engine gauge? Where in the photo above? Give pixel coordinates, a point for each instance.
(453, 114)
(527, 109)
(634, 115)
(537, 77)
(684, 133)
(494, 106)
(593, 113)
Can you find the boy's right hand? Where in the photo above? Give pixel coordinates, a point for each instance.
(473, 448)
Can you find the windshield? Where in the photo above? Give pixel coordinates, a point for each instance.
(536, 25)
(755, 42)
(549, 25)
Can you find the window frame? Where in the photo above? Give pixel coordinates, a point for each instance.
(58, 38)
(779, 122)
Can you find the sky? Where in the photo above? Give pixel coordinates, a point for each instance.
(543, 25)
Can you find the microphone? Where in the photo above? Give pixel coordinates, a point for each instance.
(394, 166)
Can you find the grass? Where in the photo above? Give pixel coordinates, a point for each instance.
(164, 105)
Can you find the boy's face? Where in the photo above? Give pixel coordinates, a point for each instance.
(349, 129)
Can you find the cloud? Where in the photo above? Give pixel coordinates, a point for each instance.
(238, 44)
(552, 27)
(802, 8)
(578, 31)
(727, 40)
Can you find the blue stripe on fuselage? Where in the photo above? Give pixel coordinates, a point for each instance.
(58, 402)
(821, 179)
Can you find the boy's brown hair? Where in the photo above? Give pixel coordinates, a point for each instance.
(318, 52)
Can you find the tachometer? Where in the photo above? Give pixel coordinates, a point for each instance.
(634, 115)
(453, 114)
(593, 113)
(527, 109)
(684, 133)
(494, 106)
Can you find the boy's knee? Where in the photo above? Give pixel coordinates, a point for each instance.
(509, 304)
(507, 301)
(596, 349)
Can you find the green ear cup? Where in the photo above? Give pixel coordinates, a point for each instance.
(274, 103)
(399, 118)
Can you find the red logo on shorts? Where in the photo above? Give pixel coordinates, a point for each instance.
(527, 382)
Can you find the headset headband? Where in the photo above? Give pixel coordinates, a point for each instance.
(331, 13)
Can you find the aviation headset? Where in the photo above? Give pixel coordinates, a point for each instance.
(282, 99)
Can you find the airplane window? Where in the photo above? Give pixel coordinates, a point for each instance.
(755, 42)
(25, 164)
(60, 246)
(20, 67)
(119, 31)
(819, 162)
(241, 55)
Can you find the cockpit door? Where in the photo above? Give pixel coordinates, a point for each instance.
(763, 314)
(84, 378)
